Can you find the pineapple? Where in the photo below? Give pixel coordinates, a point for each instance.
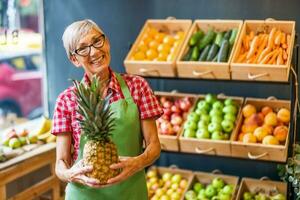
(97, 123)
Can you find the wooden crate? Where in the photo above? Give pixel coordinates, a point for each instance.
(187, 174)
(170, 142)
(27, 163)
(206, 178)
(263, 72)
(207, 70)
(208, 146)
(252, 185)
(157, 68)
(260, 151)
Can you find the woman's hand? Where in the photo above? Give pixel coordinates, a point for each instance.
(128, 166)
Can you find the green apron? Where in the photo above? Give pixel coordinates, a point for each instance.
(128, 138)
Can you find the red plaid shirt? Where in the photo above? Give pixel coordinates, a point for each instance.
(64, 118)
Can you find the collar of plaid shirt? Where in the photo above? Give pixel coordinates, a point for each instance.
(113, 83)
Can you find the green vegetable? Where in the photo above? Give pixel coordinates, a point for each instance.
(227, 35)
(196, 37)
(233, 36)
(223, 53)
(219, 38)
(195, 54)
(204, 53)
(188, 55)
(213, 51)
(207, 39)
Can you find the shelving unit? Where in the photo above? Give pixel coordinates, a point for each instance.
(237, 166)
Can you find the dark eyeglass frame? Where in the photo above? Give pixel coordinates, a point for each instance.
(100, 38)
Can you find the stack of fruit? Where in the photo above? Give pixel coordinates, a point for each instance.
(265, 126)
(212, 46)
(168, 186)
(217, 189)
(175, 112)
(211, 119)
(265, 48)
(157, 45)
(263, 196)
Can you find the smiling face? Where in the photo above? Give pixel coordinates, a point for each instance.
(98, 59)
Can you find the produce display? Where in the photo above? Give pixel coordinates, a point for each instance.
(264, 126)
(212, 46)
(166, 186)
(262, 47)
(157, 45)
(175, 113)
(217, 190)
(15, 142)
(212, 118)
(96, 124)
(263, 195)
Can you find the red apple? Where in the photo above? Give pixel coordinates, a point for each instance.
(166, 117)
(166, 128)
(175, 109)
(176, 128)
(185, 105)
(163, 99)
(12, 134)
(167, 104)
(176, 119)
(167, 111)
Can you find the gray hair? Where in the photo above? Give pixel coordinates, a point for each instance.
(75, 31)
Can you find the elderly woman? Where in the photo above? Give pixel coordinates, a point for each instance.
(88, 47)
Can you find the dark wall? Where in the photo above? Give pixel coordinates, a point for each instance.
(122, 20)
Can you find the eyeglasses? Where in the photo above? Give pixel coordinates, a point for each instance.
(85, 50)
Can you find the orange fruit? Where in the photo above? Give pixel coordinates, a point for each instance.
(249, 138)
(168, 40)
(159, 37)
(164, 48)
(151, 54)
(153, 32)
(179, 35)
(162, 56)
(153, 45)
(146, 39)
(139, 55)
(142, 47)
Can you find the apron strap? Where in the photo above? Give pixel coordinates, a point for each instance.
(124, 88)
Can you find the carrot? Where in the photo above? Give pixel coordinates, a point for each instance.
(283, 38)
(253, 47)
(241, 57)
(279, 60)
(251, 35)
(271, 37)
(267, 57)
(284, 55)
(264, 53)
(261, 47)
(245, 43)
(274, 56)
(277, 37)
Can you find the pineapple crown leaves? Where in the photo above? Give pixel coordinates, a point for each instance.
(97, 122)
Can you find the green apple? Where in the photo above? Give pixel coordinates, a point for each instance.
(230, 109)
(210, 98)
(248, 196)
(215, 112)
(217, 119)
(203, 105)
(213, 126)
(5, 141)
(23, 140)
(227, 126)
(205, 118)
(175, 196)
(190, 125)
(202, 124)
(218, 105)
(14, 143)
(229, 101)
(210, 191)
(166, 176)
(165, 197)
(228, 189)
(217, 183)
(278, 197)
(222, 196)
(32, 139)
(189, 195)
(201, 111)
(176, 178)
(197, 187)
(193, 117)
(230, 116)
(217, 135)
(226, 136)
(261, 196)
(201, 194)
(202, 134)
(189, 133)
